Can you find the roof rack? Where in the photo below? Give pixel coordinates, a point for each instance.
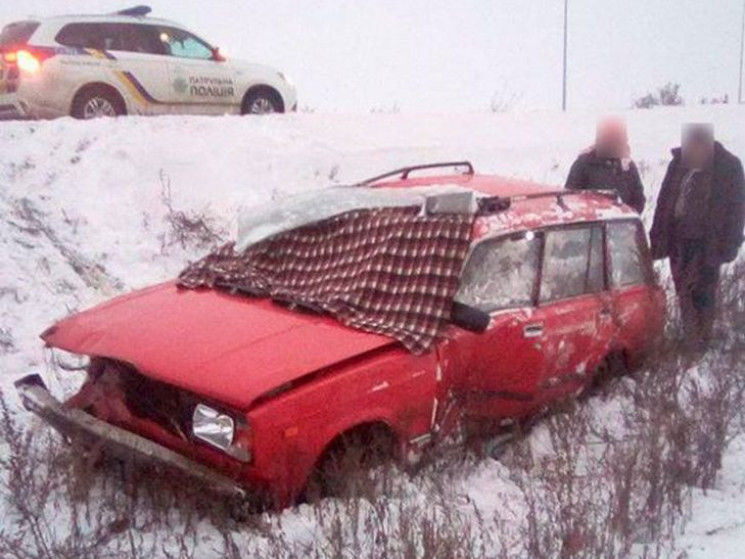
(136, 11)
(497, 204)
(404, 172)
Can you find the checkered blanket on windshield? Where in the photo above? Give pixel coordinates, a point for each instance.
(388, 271)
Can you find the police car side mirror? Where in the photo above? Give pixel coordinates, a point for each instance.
(217, 56)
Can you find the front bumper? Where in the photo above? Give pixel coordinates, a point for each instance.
(117, 442)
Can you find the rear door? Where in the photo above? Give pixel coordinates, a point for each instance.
(202, 82)
(638, 302)
(575, 308)
(128, 56)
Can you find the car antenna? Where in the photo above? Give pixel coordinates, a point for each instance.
(136, 11)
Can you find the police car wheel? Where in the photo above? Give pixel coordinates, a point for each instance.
(262, 103)
(97, 103)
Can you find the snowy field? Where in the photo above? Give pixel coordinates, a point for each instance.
(85, 210)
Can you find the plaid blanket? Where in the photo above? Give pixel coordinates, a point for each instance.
(389, 271)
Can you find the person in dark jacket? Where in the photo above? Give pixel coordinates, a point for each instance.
(608, 165)
(698, 224)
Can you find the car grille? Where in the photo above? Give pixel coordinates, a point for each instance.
(162, 403)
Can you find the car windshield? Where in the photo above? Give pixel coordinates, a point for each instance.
(262, 222)
(17, 34)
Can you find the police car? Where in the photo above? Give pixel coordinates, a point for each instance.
(127, 63)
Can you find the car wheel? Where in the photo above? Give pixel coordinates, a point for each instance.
(97, 102)
(345, 468)
(262, 102)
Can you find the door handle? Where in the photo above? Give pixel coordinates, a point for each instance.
(533, 331)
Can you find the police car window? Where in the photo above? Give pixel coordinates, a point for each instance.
(82, 35)
(627, 246)
(572, 263)
(182, 44)
(501, 273)
(123, 37)
(17, 34)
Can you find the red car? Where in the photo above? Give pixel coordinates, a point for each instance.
(249, 393)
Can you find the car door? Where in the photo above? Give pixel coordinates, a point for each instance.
(575, 309)
(141, 62)
(127, 55)
(638, 302)
(495, 374)
(201, 81)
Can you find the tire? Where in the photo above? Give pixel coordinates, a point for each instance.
(344, 468)
(262, 101)
(97, 102)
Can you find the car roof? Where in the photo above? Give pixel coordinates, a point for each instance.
(488, 185)
(532, 205)
(104, 18)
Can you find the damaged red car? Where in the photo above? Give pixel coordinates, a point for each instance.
(411, 305)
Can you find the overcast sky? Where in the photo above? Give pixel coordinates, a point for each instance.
(435, 55)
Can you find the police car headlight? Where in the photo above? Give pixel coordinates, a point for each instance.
(213, 427)
(285, 78)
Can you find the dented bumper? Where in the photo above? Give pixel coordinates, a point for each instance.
(117, 442)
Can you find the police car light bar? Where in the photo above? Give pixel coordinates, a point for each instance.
(137, 11)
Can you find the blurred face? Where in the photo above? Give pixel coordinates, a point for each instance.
(698, 148)
(611, 139)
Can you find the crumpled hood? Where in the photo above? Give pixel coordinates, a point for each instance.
(224, 347)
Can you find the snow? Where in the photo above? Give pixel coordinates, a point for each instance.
(96, 195)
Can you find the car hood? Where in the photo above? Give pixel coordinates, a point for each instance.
(224, 347)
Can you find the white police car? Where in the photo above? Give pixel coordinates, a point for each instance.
(127, 63)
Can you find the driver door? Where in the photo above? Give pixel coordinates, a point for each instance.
(496, 374)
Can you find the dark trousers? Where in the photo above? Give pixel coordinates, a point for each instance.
(696, 284)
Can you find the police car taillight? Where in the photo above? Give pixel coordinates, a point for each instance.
(27, 60)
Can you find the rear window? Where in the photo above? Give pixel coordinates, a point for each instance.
(18, 33)
(573, 263)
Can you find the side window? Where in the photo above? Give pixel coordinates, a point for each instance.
(501, 273)
(182, 44)
(572, 263)
(628, 250)
(130, 37)
(82, 35)
(125, 37)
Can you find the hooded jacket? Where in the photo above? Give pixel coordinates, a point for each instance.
(725, 215)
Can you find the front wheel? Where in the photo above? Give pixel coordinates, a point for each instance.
(262, 102)
(97, 102)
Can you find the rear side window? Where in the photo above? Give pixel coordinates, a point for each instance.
(572, 263)
(629, 254)
(17, 34)
(501, 273)
(124, 37)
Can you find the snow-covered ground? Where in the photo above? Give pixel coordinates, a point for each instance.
(97, 195)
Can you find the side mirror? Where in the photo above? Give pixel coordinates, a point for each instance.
(217, 56)
(469, 318)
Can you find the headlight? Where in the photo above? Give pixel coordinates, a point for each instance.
(213, 427)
